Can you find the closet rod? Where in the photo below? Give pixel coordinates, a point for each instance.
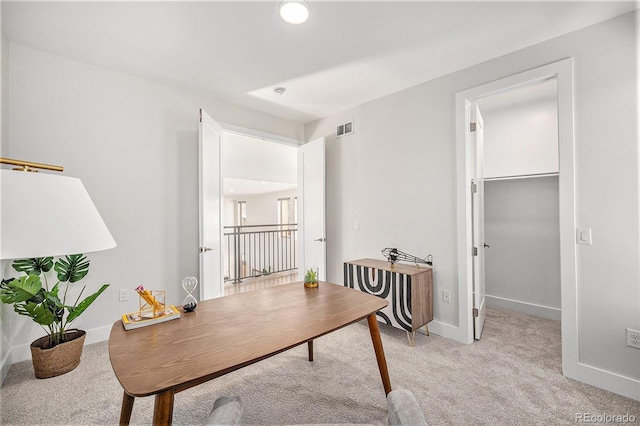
(522, 176)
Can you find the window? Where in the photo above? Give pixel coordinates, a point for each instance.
(241, 213)
(284, 205)
(295, 214)
(283, 211)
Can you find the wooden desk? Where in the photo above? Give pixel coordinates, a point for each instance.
(228, 333)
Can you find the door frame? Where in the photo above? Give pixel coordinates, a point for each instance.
(562, 71)
(478, 221)
(269, 137)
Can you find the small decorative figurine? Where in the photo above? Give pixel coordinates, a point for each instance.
(394, 255)
(189, 284)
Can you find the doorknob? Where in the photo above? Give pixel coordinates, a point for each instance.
(205, 249)
(320, 239)
(486, 245)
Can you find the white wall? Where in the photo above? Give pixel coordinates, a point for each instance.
(134, 145)
(521, 135)
(228, 212)
(5, 310)
(397, 175)
(4, 81)
(256, 159)
(263, 208)
(522, 226)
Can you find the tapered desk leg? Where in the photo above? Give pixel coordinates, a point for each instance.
(163, 408)
(377, 346)
(310, 346)
(127, 408)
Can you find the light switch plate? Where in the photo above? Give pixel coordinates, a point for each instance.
(123, 295)
(583, 236)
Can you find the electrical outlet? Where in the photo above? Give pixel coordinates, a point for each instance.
(446, 296)
(356, 226)
(124, 294)
(633, 338)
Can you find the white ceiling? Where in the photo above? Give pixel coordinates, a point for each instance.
(347, 53)
(253, 166)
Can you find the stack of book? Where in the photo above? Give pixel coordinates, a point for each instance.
(135, 320)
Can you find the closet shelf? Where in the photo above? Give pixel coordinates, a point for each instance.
(521, 176)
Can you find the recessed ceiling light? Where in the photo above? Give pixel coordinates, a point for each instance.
(294, 12)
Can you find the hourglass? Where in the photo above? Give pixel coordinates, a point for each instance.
(189, 284)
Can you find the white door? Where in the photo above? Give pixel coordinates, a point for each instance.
(311, 224)
(477, 206)
(210, 209)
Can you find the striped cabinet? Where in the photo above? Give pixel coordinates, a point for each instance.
(407, 288)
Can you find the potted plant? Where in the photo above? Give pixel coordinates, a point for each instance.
(59, 351)
(311, 278)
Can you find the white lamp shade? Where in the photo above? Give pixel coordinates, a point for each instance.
(48, 215)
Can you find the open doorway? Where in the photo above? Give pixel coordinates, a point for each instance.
(253, 159)
(260, 235)
(521, 200)
(522, 268)
(562, 72)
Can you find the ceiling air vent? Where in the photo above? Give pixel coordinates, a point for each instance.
(344, 129)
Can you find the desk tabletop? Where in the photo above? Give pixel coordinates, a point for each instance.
(228, 333)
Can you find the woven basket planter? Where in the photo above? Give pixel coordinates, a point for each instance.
(62, 358)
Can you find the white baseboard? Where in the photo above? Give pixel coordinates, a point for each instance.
(445, 330)
(612, 382)
(23, 352)
(523, 307)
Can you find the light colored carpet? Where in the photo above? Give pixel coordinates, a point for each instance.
(511, 377)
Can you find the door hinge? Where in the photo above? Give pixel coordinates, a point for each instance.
(474, 188)
(472, 127)
(474, 251)
(475, 313)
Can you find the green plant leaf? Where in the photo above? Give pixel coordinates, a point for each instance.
(44, 306)
(52, 303)
(38, 313)
(310, 276)
(72, 268)
(54, 293)
(35, 265)
(74, 312)
(20, 290)
(6, 290)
